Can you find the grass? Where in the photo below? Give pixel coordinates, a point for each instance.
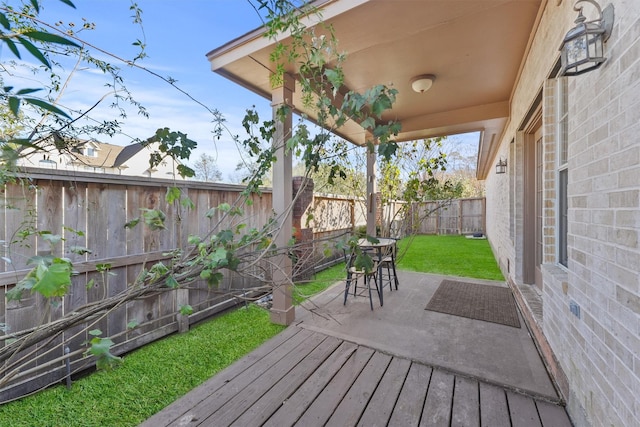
(319, 283)
(149, 379)
(448, 255)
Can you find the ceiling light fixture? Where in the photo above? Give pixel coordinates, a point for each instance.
(422, 83)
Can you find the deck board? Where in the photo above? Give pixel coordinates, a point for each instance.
(437, 407)
(268, 404)
(235, 385)
(494, 411)
(178, 409)
(234, 408)
(466, 403)
(307, 378)
(354, 402)
(328, 399)
(296, 404)
(408, 409)
(552, 415)
(523, 411)
(380, 407)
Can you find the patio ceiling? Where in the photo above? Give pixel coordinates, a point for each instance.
(475, 49)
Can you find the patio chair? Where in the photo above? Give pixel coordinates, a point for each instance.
(387, 268)
(354, 273)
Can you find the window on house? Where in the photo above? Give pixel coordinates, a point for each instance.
(90, 152)
(563, 172)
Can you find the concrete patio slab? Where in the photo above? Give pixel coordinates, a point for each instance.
(503, 355)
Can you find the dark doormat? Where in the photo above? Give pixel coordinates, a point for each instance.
(481, 302)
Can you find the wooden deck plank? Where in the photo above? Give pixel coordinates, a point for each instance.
(354, 402)
(553, 415)
(408, 409)
(523, 411)
(380, 407)
(466, 403)
(235, 407)
(262, 409)
(322, 407)
(494, 411)
(181, 406)
(437, 407)
(294, 406)
(237, 383)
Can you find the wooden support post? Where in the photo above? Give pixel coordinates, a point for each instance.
(282, 310)
(371, 192)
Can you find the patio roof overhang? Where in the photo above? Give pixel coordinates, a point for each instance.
(475, 48)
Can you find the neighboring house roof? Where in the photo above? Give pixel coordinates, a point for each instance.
(127, 153)
(100, 157)
(105, 154)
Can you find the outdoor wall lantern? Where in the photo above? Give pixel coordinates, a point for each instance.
(583, 46)
(422, 83)
(501, 166)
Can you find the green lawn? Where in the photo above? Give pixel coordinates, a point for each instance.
(448, 255)
(149, 379)
(319, 282)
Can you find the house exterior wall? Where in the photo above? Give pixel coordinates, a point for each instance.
(594, 353)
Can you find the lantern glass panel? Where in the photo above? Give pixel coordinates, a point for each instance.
(576, 49)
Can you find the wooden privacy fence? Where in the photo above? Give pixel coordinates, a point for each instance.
(99, 206)
(459, 216)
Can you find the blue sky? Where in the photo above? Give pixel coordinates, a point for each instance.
(178, 35)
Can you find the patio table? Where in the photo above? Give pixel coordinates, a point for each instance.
(384, 250)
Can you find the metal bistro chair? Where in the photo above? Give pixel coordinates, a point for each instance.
(387, 267)
(354, 273)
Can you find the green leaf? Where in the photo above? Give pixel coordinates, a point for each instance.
(79, 250)
(172, 283)
(54, 280)
(102, 267)
(14, 105)
(90, 283)
(27, 91)
(95, 332)
(173, 194)
(33, 50)
(53, 239)
(133, 324)
(35, 5)
(154, 218)
(12, 47)
(132, 223)
(46, 106)
(68, 3)
(49, 38)
(101, 348)
(186, 310)
(5, 22)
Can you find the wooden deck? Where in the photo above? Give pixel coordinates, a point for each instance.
(306, 378)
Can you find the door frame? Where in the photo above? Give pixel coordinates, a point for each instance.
(531, 209)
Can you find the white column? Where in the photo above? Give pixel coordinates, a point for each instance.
(372, 189)
(282, 311)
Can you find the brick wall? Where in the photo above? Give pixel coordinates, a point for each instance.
(591, 310)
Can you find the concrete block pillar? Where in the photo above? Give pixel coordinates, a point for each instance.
(282, 310)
